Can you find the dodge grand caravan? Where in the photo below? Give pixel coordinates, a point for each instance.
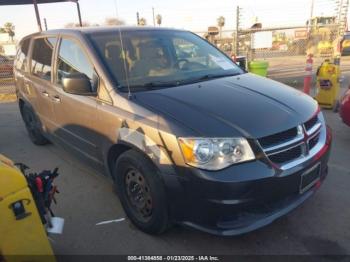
(187, 136)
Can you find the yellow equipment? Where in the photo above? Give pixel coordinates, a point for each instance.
(325, 48)
(322, 35)
(346, 43)
(328, 84)
(21, 230)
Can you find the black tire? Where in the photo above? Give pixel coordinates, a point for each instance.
(145, 204)
(33, 126)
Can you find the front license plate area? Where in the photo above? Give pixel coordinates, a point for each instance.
(310, 177)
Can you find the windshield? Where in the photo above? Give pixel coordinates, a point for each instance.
(157, 58)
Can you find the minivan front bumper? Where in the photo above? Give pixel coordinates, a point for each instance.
(243, 197)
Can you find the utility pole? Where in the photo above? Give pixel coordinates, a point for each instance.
(339, 10)
(342, 26)
(342, 17)
(116, 8)
(154, 22)
(138, 18)
(79, 14)
(45, 24)
(311, 12)
(237, 29)
(309, 27)
(37, 15)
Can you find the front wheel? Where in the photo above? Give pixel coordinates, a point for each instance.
(141, 192)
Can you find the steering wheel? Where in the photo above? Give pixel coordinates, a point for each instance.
(181, 60)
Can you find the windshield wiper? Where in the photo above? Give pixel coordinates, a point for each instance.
(150, 85)
(205, 78)
(153, 85)
(163, 84)
(213, 76)
(156, 84)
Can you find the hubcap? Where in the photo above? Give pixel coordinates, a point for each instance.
(139, 194)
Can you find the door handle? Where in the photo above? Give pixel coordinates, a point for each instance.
(46, 94)
(56, 99)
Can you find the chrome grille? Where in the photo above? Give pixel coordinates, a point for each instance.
(279, 137)
(313, 141)
(311, 123)
(286, 155)
(293, 144)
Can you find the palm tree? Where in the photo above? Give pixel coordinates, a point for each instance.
(10, 29)
(143, 21)
(221, 24)
(159, 19)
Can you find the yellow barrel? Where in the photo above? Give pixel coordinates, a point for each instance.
(21, 230)
(328, 84)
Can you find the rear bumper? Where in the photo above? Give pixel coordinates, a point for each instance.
(241, 198)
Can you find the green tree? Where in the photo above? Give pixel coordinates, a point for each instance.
(159, 19)
(221, 24)
(113, 21)
(10, 29)
(72, 24)
(143, 21)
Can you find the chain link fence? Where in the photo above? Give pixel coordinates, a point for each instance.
(266, 43)
(7, 85)
(298, 41)
(285, 48)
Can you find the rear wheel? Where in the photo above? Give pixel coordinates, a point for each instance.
(141, 192)
(33, 126)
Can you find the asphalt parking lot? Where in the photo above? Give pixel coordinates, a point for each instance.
(321, 226)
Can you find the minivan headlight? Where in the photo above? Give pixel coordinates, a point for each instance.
(215, 153)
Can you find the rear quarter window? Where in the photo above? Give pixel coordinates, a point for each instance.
(22, 56)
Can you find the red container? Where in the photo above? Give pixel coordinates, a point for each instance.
(345, 108)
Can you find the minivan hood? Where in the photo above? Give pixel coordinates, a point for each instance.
(246, 105)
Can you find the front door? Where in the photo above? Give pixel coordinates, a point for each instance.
(76, 114)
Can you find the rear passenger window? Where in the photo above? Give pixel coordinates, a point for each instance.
(41, 57)
(22, 54)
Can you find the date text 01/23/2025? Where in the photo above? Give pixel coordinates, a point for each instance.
(173, 258)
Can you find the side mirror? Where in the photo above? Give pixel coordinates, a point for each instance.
(77, 84)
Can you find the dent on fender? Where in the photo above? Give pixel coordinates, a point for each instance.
(155, 152)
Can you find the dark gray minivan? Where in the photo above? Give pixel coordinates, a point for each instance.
(187, 136)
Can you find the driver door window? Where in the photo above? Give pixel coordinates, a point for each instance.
(72, 59)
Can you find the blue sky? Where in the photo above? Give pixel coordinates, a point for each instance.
(195, 15)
